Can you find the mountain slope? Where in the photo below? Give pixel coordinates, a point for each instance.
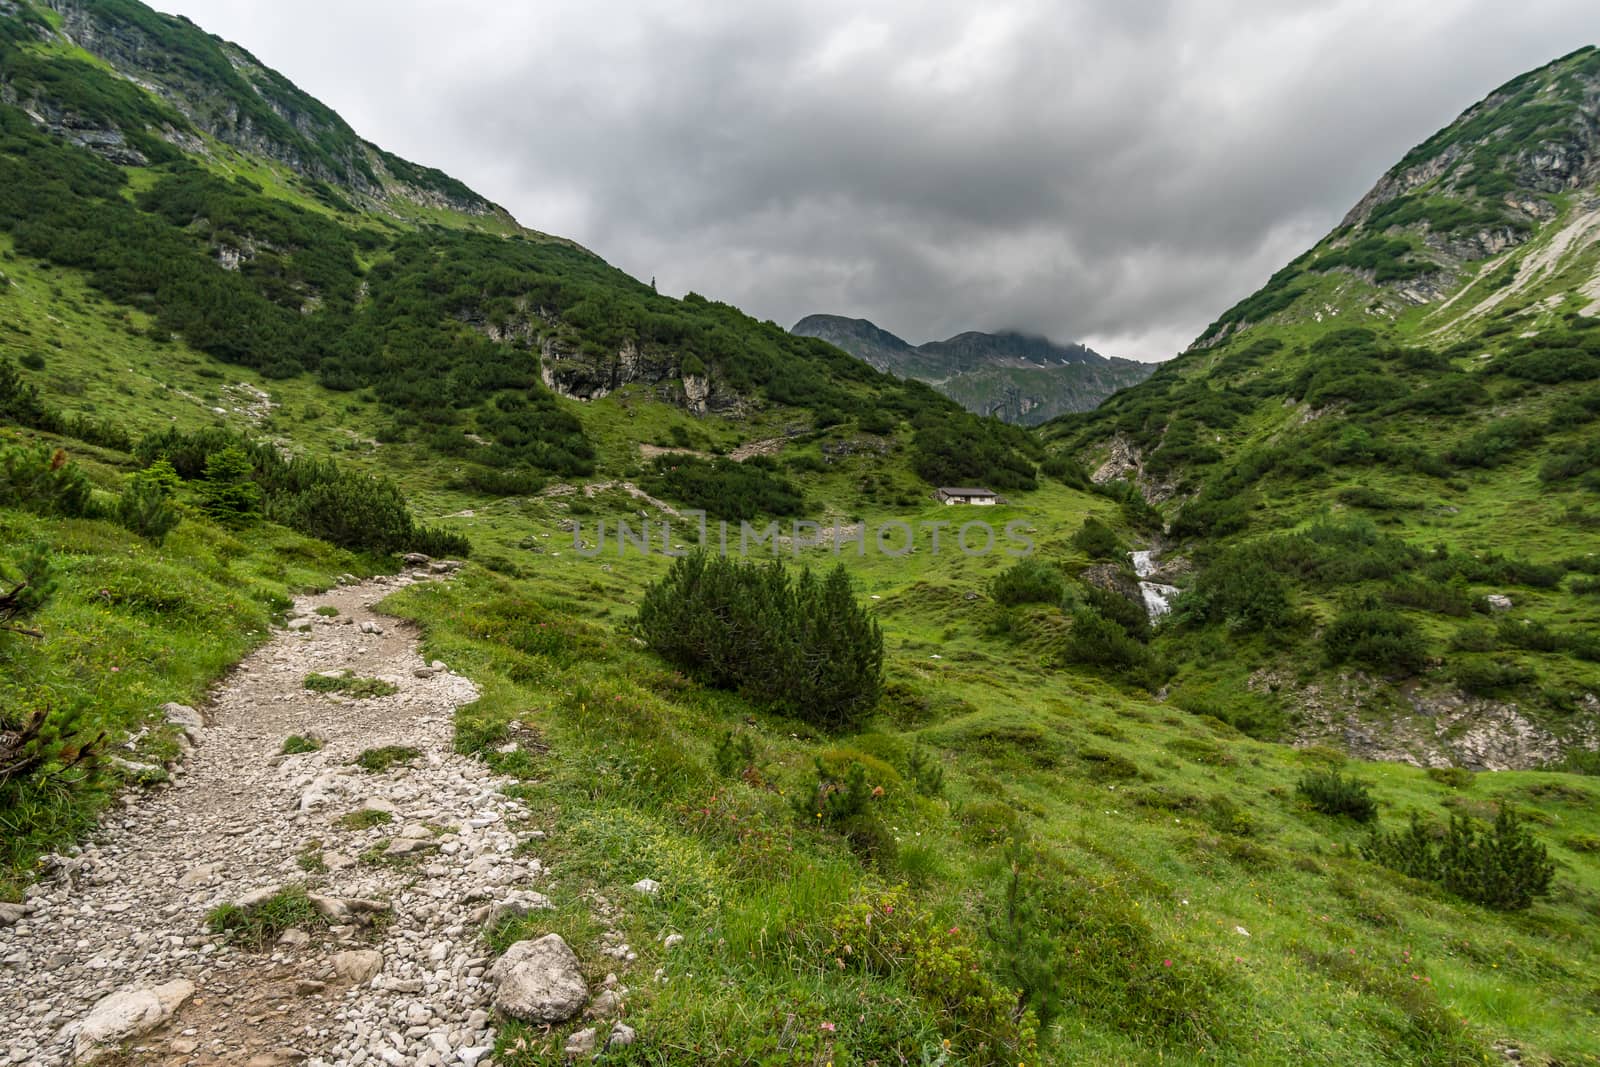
(1048, 843)
(219, 205)
(1406, 417)
(1021, 378)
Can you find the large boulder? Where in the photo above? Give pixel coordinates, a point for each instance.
(539, 981)
(125, 1014)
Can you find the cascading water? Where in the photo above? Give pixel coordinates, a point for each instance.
(1157, 597)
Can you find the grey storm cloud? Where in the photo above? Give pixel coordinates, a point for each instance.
(1101, 170)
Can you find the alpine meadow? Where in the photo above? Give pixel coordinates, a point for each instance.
(424, 643)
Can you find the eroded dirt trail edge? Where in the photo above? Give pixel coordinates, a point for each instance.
(127, 915)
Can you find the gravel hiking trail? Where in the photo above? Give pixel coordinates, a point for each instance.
(114, 960)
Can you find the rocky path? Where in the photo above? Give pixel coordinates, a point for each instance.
(114, 951)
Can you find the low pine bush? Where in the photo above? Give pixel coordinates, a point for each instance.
(146, 506)
(1376, 637)
(1503, 867)
(1097, 540)
(43, 481)
(801, 645)
(1333, 794)
(1029, 581)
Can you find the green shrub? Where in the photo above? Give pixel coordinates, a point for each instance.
(1238, 591)
(43, 481)
(1331, 793)
(1375, 637)
(145, 506)
(959, 449)
(1504, 867)
(734, 755)
(25, 588)
(723, 488)
(1494, 444)
(318, 498)
(1486, 678)
(800, 645)
(228, 493)
(1097, 540)
(1424, 595)
(1028, 581)
(925, 771)
(1099, 642)
(887, 934)
(1454, 777)
(296, 744)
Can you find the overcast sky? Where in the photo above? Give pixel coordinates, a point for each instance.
(1111, 171)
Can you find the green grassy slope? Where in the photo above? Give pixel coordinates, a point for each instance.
(1424, 383)
(1097, 848)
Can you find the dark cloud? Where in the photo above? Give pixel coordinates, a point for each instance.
(1092, 169)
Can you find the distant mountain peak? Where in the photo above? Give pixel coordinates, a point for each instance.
(1022, 377)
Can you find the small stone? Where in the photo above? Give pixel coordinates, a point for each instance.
(294, 937)
(621, 1036)
(182, 715)
(307, 987)
(300, 625)
(379, 804)
(201, 875)
(581, 1042)
(605, 1004)
(345, 909)
(358, 966)
(255, 898)
(672, 941)
(183, 1046)
(647, 887)
(405, 846)
(1498, 602)
(11, 913)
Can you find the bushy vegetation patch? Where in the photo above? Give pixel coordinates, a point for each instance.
(725, 489)
(1097, 540)
(951, 450)
(1370, 635)
(237, 480)
(1504, 867)
(1331, 793)
(799, 644)
(1028, 581)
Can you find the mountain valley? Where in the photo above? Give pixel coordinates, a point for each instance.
(1281, 746)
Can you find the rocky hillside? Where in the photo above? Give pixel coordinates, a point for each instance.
(1021, 378)
(183, 180)
(1397, 439)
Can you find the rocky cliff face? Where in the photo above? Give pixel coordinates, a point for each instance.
(576, 372)
(1020, 378)
(222, 91)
